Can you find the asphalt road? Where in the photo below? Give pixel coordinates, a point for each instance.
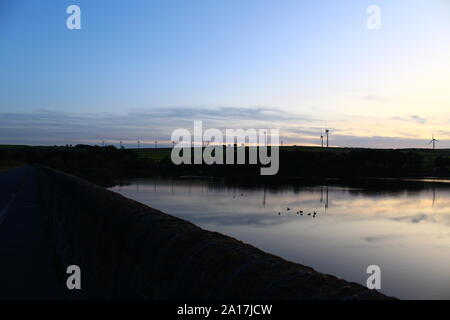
(27, 268)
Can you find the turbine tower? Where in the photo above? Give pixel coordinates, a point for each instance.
(433, 141)
(321, 139)
(327, 133)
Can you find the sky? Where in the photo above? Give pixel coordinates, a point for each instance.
(137, 70)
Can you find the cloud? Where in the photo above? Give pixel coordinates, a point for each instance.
(418, 119)
(47, 127)
(413, 118)
(374, 98)
(50, 127)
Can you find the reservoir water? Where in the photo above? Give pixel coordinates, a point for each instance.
(401, 226)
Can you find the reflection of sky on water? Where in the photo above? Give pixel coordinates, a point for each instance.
(405, 232)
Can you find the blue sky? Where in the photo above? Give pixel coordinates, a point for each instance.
(139, 69)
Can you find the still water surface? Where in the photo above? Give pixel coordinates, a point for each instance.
(405, 231)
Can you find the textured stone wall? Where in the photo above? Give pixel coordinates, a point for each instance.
(128, 250)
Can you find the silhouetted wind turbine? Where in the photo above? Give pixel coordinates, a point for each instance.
(321, 138)
(433, 141)
(327, 133)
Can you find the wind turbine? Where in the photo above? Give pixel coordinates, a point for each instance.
(327, 131)
(321, 138)
(433, 141)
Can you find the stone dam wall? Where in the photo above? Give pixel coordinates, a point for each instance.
(127, 250)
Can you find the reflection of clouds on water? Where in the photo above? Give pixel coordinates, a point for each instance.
(441, 219)
(261, 220)
(415, 219)
(213, 202)
(406, 231)
(379, 238)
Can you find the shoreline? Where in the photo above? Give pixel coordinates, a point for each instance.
(147, 254)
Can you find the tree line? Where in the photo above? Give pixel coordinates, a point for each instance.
(103, 165)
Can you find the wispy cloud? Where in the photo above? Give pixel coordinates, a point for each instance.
(147, 125)
(374, 98)
(50, 127)
(413, 118)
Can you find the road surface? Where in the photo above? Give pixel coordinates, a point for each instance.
(27, 268)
